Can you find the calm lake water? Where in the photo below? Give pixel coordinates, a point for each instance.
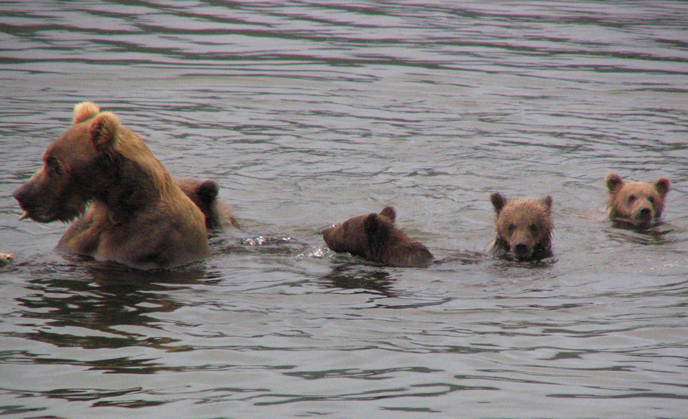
(308, 113)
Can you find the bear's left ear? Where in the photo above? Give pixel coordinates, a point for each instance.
(547, 202)
(104, 131)
(376, 230)
(370, 224)
(207, 191)
(662, 185)
(498, 201)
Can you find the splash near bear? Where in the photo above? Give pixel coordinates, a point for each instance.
(375, 237)
(524, 227)
(637, 203)
(139, 216)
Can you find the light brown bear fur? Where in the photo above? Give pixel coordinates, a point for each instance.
(204, 194)
(374, 237)
(524, 227)
(139, 216)
(637, 203)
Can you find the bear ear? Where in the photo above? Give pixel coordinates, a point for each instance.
(547, 202)
(498, 201)
(208, 191)
(614, 182)
(370, 224)
(376, 230)
(662, 185)
(390, 213)
(104, 131)
(84, 111)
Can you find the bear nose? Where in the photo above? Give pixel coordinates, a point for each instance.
(521, 249)
(645, 213)
(20, 193)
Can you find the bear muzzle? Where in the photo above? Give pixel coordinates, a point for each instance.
(521, 250)
(32, 206)
(643, 214)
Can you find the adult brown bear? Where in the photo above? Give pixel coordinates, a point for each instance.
(139, 216)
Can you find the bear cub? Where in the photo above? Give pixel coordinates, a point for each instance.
(524, 227)
(637, 203)
(374, 237)
(204, 194)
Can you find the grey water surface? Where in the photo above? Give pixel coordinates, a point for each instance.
(310, 112)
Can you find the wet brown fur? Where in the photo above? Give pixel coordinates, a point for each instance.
(375, 237)
(524, 227)
(205, 195)
(139, 216)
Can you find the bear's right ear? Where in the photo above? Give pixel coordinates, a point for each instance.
(207, 191)
(498, 201)
(84, 111)
(390, 213)
(104, 131)
(614, 182)
(547, 202)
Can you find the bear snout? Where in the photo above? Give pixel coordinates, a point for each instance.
(521, 250)
(644, 216)
(645, 213)
(34, 203)
(24, 197)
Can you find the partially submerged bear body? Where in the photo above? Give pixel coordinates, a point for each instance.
(374, 237)
(205, 195)
(524, 227)
(139, 216)
(637, 203)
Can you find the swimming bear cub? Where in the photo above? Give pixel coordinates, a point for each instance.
(524, 227)
(205, 195)
(637, 203)
(375, 237)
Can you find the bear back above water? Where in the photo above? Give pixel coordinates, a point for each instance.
(139, 216)
(637, 203)
(524, 227)
(375, 237)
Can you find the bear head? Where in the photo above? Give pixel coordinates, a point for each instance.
(636, 202)
(524, 227)
(82, 165)
(376, 238)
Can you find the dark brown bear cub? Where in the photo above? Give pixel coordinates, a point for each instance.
(374, 237)
(637, 203)
(139, 217)
(524, 227)
(204, 194)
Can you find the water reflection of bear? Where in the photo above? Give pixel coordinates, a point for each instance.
(360, 277)
(108, 298)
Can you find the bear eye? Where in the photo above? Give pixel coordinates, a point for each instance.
(53, 165)
(631, 198)
(511, 228)
(651, 199)
(533, 228)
